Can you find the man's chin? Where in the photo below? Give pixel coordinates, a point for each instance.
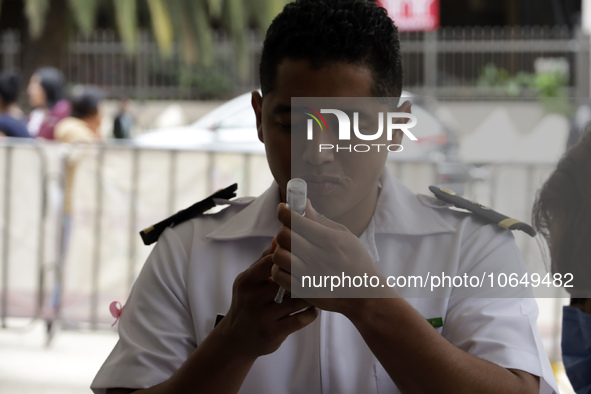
(327, 206)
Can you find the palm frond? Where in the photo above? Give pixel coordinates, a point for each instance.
(126, 20)
(35, 10)
(215, 8)
(234, 20)
(262, 12)
(203, 33)
(161, 25)
(180, 12)
(84, 13)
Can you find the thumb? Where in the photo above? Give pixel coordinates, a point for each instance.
(316, 216)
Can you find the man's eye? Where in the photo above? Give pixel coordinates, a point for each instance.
(298, 125)
(285, 126)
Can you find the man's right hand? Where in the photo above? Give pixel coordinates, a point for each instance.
(255, 324)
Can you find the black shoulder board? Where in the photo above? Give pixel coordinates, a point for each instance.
(449, 196)
(150, 235)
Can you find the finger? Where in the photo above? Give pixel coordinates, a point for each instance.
(317, 217)
(273, 245)
(281, 277)
(284, 214)
(283, 258)
(288, 307)
(260, 271)
(267, 251)
(304, 249)
(299, 320)
(283, 237)
(315, 228)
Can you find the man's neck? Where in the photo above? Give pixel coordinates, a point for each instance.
(359, 217)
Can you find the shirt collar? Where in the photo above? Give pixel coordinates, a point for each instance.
(398, 211)
(257, 219)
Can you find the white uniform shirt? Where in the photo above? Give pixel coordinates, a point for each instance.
(187, 281)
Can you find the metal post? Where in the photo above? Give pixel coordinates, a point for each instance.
(6, 237)
(43, 166)
(172, 181)
(430, 62)
(96, 261)
(582, 80)
(210, 172)
(247, 178)
(133, 217)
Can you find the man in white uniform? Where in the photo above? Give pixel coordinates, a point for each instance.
(370, 224)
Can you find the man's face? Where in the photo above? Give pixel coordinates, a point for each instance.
(338, 182)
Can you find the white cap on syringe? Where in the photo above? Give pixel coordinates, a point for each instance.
(296, 195)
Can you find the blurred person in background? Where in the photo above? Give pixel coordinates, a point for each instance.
(46, 97)
(562, 214)
(11, 122)
(81, 127)
(123, 121)
(84, 122)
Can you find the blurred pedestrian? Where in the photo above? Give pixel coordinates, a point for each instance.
(123, 121)
(11, 124)
(46, 96)
(84, 122)
(81, 127)
(562, 214)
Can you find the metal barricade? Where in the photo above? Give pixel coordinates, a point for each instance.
(18, 221)
(90, 255)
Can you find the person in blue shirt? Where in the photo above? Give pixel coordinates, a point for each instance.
(9, 125)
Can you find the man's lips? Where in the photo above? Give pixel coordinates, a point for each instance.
(322, 184)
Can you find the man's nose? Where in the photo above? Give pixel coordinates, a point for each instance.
(320, 149)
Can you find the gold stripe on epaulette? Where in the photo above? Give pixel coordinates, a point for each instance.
(448, 191)
(148, 229)
(507, 223)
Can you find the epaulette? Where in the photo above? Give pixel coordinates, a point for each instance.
(150, 234)
(483, 212)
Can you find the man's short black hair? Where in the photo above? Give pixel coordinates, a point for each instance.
(85, 101)
(327, 31)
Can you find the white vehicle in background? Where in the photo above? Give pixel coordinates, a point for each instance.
(232, 128)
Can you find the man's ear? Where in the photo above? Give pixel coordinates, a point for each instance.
(398, 134)
(257, 106)
(405, 107)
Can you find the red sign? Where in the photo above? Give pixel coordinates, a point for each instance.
(413, 15)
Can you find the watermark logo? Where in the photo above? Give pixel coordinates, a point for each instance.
(391, 120)
(315, 117)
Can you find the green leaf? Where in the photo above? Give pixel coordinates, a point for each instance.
(126, 20)
(84, 13)
(262, 12)
(35, 10)
(234, 20)
(161, 26)
(215, 8)
(203, 33)
(180, 12)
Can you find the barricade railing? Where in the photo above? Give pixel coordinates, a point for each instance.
(25, 179)
(88, 254)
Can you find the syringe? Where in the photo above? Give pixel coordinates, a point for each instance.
(296, 201)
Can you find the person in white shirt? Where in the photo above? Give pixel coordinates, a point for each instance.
(233, 262)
